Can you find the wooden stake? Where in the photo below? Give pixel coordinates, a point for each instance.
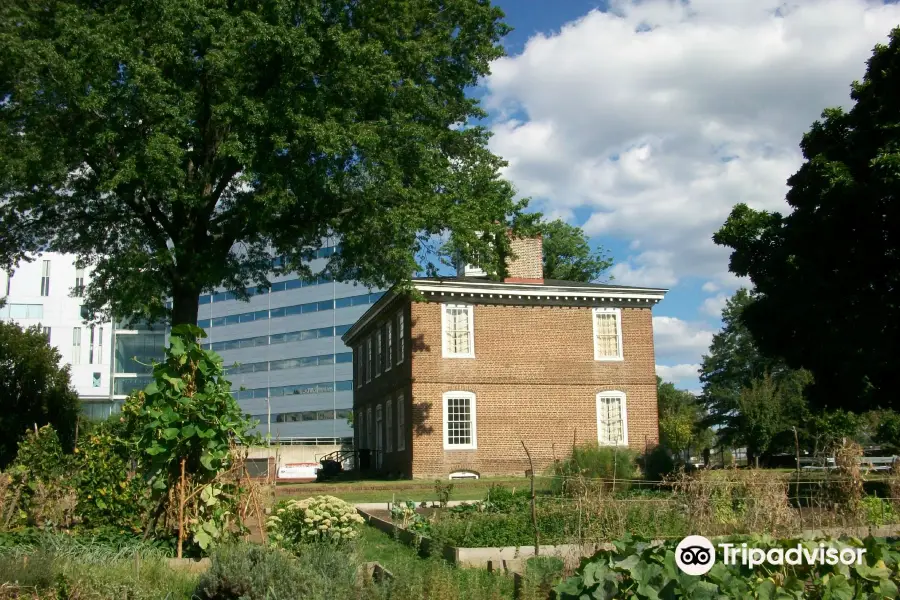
(181, 511)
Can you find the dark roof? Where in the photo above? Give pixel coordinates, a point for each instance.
(546, 282)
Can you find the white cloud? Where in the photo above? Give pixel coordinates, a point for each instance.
(677, 372)
(711, 287)
(678, 341)
(713, 306)
(659, 133)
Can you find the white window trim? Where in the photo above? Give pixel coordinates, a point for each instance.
(618, 313)
(621, 396)
(401, 422)
(471, 397)
(445, 352)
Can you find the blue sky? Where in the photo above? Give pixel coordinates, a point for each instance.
(645, 122)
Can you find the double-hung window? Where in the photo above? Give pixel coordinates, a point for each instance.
(401, 422)
(458, 330)
(388, 347)
(370, 428)
(401, 338)
(459, 421)
(379, 354)
(388, 426)
(612, 419)
(607, 334)
(369, 368)
(360, 355)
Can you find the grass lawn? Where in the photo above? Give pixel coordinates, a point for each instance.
(387, 491)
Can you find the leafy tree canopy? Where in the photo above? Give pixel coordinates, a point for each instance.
(176, 145)
(568, 255)
(751, 398)
(681, 427)
(827, 275)
(34, 390)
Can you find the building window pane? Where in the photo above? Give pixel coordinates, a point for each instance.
(401, 422)
(79, 283)
(76, 346)
(401, 338)
(389, 427)
(612, 419)
(97, 380)
(369, 359)
(45, 278)
(458, 330)
(388, 346)
(607, 334)
(459, 420)
(379, 355)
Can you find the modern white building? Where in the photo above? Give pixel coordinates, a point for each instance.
(42, 292)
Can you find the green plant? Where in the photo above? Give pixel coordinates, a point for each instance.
(252, 572)
(590, 463)
(637, 569)
(110, 493)
(405, 514)
(183, 426)
(657, 464)
(504, 500)
(318, 519)
(878, 511)
(443, 489)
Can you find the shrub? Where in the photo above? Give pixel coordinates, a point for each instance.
(318, 519)
(443, 490)
(504, 500)
(657, 464)
(591, 462)
(405, 514)
(878, 511)
(253, 572)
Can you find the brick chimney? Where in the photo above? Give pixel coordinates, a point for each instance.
(528, 264)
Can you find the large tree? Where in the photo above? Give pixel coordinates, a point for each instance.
(751, 399)
(827, 275)
(34, 389)
(178, 145)
(681, 427)
(568, 254)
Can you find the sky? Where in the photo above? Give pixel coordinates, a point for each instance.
(645, 122)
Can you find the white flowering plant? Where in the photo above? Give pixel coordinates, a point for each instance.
(318, 519)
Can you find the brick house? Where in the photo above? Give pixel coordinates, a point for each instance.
(452, 385)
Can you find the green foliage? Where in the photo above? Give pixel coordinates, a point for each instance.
(681, 427)
(752, 399)
(187, 416)
(636, 569)
(657, 464)
(34, 389)
(319, 519)
(568, 255)
(824, 431)
(443, 489)
(592, 461)
(252, 572)
(888, 432)
(110, 492)
(878, 511)
(842, 192)
(404, 513)
(175, 159)
(504, 500)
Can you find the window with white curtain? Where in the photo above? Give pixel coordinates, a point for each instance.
(612, 419)
(379, 354)
(369, 368)
(607, 334)
(458, 330)
(76, 346)
(388, 346)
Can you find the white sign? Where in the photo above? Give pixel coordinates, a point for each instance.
(298, 470)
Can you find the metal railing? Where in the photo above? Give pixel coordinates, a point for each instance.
(311, 441)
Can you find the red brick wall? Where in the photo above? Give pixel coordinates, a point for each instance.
(535, 379)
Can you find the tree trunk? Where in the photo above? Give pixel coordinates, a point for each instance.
(185, 305)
